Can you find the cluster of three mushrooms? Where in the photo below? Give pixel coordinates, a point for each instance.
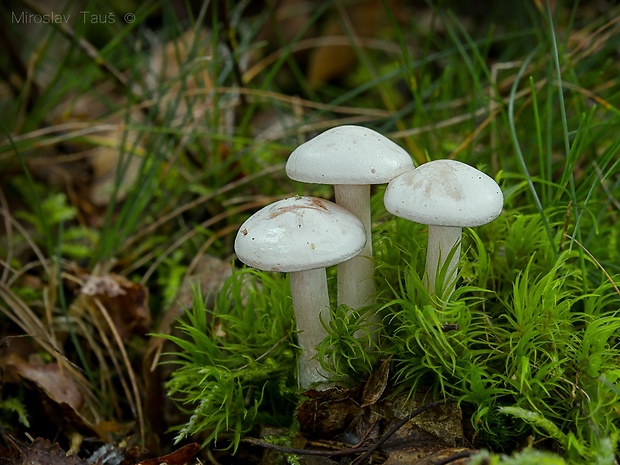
(303, 235)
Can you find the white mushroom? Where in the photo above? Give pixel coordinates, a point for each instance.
(446, 195)
(351, 158)
(302, 236)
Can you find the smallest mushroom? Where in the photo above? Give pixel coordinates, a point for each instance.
(446, 195)
(302, 236)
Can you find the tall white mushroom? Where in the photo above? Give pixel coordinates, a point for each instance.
(302, 236)
(351, 158)
(446, 195)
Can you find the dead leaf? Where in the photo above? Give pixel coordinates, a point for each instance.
(178, 457)
(56, 385)
(445, 421)
(57, 392)
(328, 412)
(42, 452)
(180, 66)
(376, 384)
(56, 389)
(126, 302)
(413, 441)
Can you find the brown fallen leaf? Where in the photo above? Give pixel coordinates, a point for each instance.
(445, 421)
(117, 146)
(60, 398)
(178, 457)
(332, 61)
(43, 452)
(327, 413)
(376, 384)
(126, 303)
(57, 385)
(412, 444)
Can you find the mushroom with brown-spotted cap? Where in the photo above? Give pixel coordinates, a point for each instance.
(351, 158)
(302, 236)
(446, 195)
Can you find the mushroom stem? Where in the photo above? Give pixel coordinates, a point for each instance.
(356, 285)
(441, 241)
(310, 305)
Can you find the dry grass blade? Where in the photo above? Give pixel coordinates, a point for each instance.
(9, 220)
(24, 317)
(203, 249)
(586, 43)
(590, 94)
(66, 132)
(200, 200)
(84, 329)
(204, 225)
(135, 402)
(317, 42)
(598, 264)
(9, 239)
(358, 114)
(603, 181)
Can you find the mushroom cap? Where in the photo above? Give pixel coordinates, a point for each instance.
(445, 193)
(298, 234)
(348, 154)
